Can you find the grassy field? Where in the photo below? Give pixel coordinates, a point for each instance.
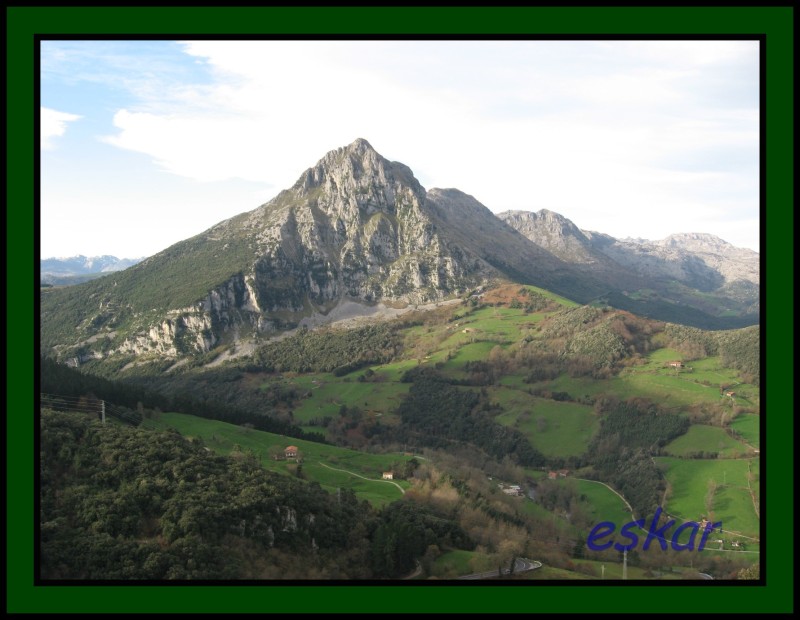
(221, 437)
(498, 322)
(689, 479)
(555, 428)
(668, 387)
(547, 573)
(748, 427)
(602, 503)
(460, 562)
(613, 570)
(703, 438)
(568, 303)
(372, 398)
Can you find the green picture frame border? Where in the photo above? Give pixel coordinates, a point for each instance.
(774, 23)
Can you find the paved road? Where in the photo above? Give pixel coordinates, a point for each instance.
(521, 565)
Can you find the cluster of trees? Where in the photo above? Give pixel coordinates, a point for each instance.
(436, 413)
(406, 532)
(692, 343)
(741, 349)
(532, 301)
(55, 378)
(119, 503)
(637, 422)
(634, 474)
(677, 313)
(327, 350)
(571, 321)
(600, 344)
(196, 400)
(738, 348)
(621, 452)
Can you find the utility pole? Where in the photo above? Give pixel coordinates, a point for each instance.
(625, 564)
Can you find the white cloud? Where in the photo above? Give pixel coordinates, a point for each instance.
(53, 125)
(593, 129)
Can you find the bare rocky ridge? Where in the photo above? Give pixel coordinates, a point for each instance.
(699, 261)
(356, 232)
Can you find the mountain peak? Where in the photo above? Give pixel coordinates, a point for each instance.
(355, 172)
(553, 232)
(359, 144)
(693, 240)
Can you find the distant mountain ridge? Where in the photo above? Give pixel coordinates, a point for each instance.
(83, 265)
(354, 229)
(681, 265)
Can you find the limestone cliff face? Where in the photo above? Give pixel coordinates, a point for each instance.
(354, 227)
(698, 261)
(553, 232)
(358, 230)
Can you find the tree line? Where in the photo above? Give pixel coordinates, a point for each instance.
(435, 412)
(328, 350)
(59, 379)
(123, 503)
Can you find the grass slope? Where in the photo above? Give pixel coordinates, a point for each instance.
(703, 438)
(690, 481)
(222, 437)
(555, 428)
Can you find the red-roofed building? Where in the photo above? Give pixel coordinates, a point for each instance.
(290, 452)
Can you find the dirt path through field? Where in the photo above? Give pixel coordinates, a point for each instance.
(352, 473)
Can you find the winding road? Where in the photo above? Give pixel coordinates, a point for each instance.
(352, 473)
(521, 565)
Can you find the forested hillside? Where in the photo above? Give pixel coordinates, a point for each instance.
(124, 503)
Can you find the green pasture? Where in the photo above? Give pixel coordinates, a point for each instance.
(546, 573)
(736, 501)
(664, 387)
(565, 427)
(689, 479)
(460, 562)
(394, 371)
(556, 298)
(660, 357)
(602, 503)
(613, 570)
(704, 438)
(747, 425)
(514, 381)
(473, 352)
(221, 437)
(372, 397)
(755, 473)
(497, 323)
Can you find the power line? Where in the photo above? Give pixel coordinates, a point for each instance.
(82, 404)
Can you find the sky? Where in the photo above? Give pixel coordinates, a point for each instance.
(147, 143)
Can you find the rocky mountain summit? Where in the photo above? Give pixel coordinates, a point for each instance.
(355, 229)
(697, 261)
